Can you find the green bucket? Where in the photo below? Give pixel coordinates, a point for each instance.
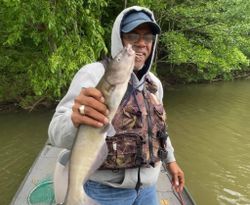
(42, 194)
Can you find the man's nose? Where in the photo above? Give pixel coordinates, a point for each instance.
(141, 41)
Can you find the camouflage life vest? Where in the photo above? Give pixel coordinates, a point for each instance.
(140, 139)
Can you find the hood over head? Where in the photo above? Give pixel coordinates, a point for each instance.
(145, 16)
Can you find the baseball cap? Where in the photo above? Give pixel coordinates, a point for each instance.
(136, 18)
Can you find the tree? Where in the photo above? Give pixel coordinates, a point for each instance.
(203, 40)
(43, 43)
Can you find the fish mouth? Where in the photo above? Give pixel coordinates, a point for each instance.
(130, 50)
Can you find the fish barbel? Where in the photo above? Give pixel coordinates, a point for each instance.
(89, 149)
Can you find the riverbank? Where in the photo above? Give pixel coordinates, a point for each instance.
(44, 104)
(6, 107)
(9, 107)
(171, 79)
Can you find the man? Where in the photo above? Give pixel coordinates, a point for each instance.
(135, 26)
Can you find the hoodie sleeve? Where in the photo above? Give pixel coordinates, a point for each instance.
(61, 129)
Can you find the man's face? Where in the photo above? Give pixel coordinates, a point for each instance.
(141, 39)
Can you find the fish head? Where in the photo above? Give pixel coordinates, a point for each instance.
(121, 66)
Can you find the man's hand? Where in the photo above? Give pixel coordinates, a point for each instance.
(95, 111)
(178, 179)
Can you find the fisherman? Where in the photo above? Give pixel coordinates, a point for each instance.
(84, 104)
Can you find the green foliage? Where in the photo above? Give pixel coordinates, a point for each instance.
(207, 36)
(47, 42)
(44, 43)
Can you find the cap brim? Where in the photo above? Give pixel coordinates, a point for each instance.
(155, 28)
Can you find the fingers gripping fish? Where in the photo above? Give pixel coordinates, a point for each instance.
(89, 149)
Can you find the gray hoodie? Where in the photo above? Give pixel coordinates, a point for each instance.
(62, 131)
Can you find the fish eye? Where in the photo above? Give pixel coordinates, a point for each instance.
(118, 59)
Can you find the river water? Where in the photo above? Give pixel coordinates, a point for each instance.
(208, 125)
(210, 129)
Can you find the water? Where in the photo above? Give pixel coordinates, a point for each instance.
(22, 136)
(208, 125)
(209, 128)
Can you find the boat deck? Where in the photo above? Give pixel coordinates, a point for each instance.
(37, 186)
(166, 193)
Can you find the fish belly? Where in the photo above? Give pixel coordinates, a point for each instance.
(89, 152)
